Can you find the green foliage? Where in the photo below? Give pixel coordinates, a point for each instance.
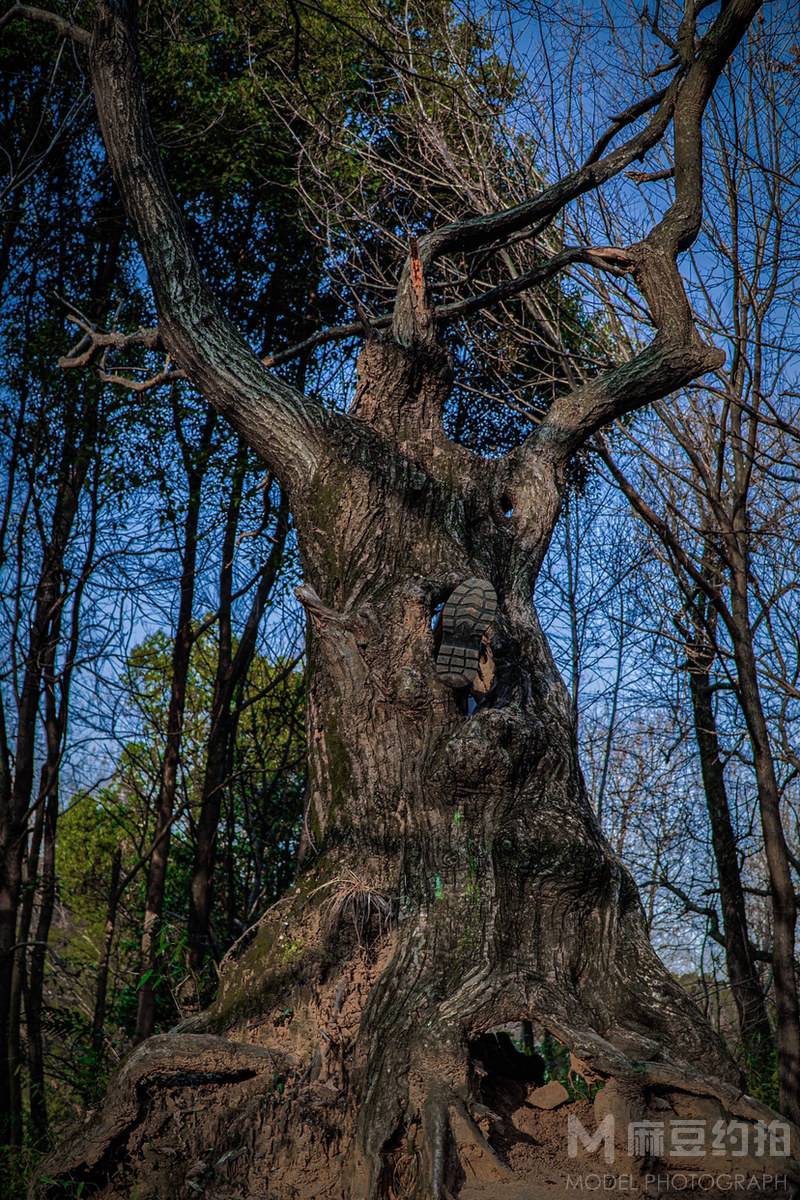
(260, 828)
(90, 830)
(763, 1080)
(17, 1164)
(558, 1069)
(215, 73)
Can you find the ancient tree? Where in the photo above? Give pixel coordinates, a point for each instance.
(454, 876)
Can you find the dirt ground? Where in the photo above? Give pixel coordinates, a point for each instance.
(540, 1168)
(538, 1162)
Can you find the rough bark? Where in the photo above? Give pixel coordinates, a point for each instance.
(455, 878)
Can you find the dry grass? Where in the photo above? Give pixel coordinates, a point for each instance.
(369, 909)
(405, 1173)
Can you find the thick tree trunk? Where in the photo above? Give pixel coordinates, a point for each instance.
(455, 879)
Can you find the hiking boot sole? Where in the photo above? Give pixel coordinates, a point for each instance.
(468, 612)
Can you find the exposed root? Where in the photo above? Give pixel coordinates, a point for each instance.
(180, 1061)
(447, 1141)
(390, 1081)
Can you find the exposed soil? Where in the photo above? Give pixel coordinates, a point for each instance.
(535, 1146)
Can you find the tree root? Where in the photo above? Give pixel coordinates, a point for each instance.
(172, 1060)
(379, 1091)
(446, 1140)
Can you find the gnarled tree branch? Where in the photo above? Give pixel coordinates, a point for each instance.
(284, 427)
(288, 429)
(677, 354)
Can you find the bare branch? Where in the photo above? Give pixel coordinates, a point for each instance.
(24, 12)
(701, 910)
(622, 119)
(677, 354)
(167, 375)
(607, 258)
(650, 176)
(496, 227)
(661, 529)
(95, 342)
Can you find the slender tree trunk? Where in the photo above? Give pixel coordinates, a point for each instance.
(16, 801)
(104, 965)
(233, 918)
(216, 763)
(745, 983)
(55, 721)
(784, 903)
(231, 674)
(612, 716)
(79, 444)
(34, 1000)
(19, 982)
(12, 849)
(10, 1091)
(735, 539)
(56, 683)
(572, 556)
(165, 805)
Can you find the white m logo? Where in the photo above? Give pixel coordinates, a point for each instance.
(604, 1135)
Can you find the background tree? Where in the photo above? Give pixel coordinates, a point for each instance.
(56, 485)
(716, 498)
(107, 841)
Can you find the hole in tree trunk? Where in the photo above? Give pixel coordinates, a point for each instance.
(510, 1064)
(503, 1059)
